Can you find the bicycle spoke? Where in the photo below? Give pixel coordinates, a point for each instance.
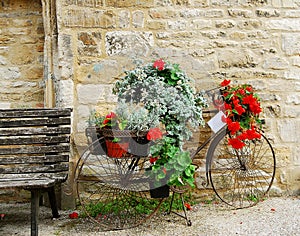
(114, 193)
(242, 177)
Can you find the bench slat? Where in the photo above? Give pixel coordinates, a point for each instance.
(36, 131)
(53, 175)
(33, 169)
(29, 183)
(22, 159)
(34, 140)
(43, 112)
(34, 149)
(34, 122)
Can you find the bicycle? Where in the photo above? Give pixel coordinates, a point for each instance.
(114, 192)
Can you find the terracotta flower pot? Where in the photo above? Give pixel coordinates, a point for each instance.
(116, 150)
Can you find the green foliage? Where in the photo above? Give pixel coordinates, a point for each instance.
(166, 93)
(95, 119)
(174, 166)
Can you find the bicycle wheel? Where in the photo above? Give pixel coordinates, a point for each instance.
(114, 192)
(242, 177)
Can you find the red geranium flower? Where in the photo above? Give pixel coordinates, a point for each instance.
(243, 136)
(255, 108)
(225, 82)
(253, 134)
(159, 64)
(233, 126)
(111, 115)
(240, 110)
(153, 159)
(154, 133)
(236, 143)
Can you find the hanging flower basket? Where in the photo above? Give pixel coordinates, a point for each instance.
(94, 134)
(138, 142)
(116, 150)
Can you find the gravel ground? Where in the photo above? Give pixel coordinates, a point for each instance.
(274, 216)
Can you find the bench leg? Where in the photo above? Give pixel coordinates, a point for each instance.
(52, 200)
(35, 200)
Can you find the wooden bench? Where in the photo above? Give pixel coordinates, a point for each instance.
(34, 153)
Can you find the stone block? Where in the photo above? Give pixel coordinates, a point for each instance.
(84, 3)
(65, 54)
(242, 13)
(90, 93)
(89, 44)
(284, 24)
(5, 105)
(156, 25)
(250, 24)
(293, 98)
(225, 24)
(21, 55)
(89, 18)
(289, 130)
(276, 63)
(292, 75)
(3, 60)
(288, 3)
(132, 44)
(138, 19)
(292, 14)
(237, 58)
(276, 3)
(291, 112)
(10, 73)
(65, 93)
(124, 19)
(225, 2)
(130, 3)
(215, 13)
(291, 43)
(201, 24)
(178, 25)
(163, 3)
(192, 13)
(200, 3)
(267, 13)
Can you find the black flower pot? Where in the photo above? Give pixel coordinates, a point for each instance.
(139, 146)
(160, 192)
(95, 140)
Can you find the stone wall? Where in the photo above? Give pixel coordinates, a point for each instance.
(21, 54)
(253, 41)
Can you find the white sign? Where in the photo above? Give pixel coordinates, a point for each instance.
(216, 122)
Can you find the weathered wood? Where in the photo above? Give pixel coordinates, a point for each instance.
(34, 153)
(53, 204)
(56, 176)
(36, 131)
(33, 168)
(34, 140)
(35, 194)
(33, 122)
(13, 113)
(22, 159)
(34, 149)
(29, 184)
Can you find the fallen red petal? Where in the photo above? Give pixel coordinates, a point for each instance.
(73, 215)
(188, 206)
